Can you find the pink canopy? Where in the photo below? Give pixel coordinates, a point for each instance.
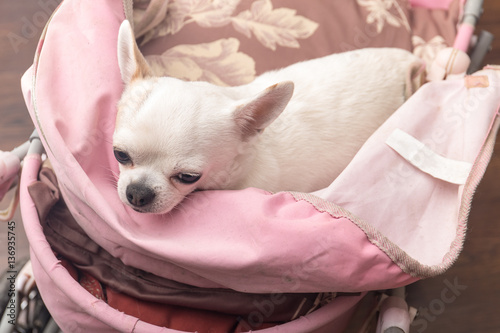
(397, 213)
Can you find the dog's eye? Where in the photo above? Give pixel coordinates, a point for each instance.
(188, 178)
(121, 156)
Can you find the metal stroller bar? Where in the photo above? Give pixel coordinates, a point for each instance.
(472, 12)
(35, 144)
(482, 47)
(10, 164)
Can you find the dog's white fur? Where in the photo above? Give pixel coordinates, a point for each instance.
(292, 129)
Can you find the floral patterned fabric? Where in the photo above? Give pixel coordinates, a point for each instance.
(230, 42)
(385, 12)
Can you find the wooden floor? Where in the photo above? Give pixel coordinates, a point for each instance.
(466, 299)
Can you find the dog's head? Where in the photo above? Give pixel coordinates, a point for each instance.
(174, 137)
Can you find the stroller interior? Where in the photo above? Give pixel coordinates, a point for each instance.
(336, 260)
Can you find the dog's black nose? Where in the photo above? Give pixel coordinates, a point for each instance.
(139, 195)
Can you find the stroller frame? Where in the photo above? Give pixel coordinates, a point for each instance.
(95, 308)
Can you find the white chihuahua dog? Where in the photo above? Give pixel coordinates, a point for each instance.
(292, 129)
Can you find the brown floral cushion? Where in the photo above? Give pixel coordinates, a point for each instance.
(433, 30)
(229, 42)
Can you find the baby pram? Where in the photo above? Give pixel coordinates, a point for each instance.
(347, 239)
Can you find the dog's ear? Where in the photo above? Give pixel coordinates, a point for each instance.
(254, 116)
(130, 60)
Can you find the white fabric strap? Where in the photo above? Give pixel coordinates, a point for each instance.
(428, 161)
